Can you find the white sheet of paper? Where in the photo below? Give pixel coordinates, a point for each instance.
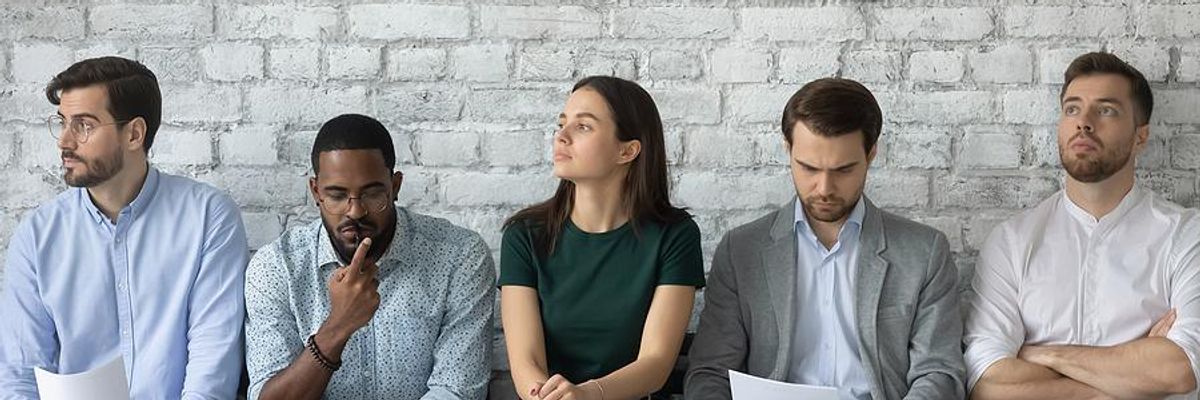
(750, 387)
(104, 383)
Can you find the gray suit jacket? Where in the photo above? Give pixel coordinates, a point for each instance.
(906, 308)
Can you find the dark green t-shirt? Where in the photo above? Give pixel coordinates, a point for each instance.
(595, 290)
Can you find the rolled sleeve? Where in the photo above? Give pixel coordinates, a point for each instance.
(1185, 297)
(217, 309)
(993, 329)
(272, 338)
(27, 336)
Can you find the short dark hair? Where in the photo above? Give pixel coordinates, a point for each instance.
(1106, 63)
(353, 132)
(132, 90)
(834, 107)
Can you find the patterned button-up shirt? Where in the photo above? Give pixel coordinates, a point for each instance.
(429, 339)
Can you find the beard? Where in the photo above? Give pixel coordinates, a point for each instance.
(836, 210)
(380, 239)
(96, 171)
(1092, 168)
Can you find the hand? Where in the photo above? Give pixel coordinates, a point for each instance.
(1163, 325)
(559, 388)
(1035, 354)
(353, 293)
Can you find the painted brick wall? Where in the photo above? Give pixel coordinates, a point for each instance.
(470, 91)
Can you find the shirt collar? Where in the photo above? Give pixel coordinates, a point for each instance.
(326, 254)
(135, 208)
(854, 221)
(1128, 202)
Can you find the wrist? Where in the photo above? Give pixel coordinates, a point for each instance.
(594, 390)
(332, 338)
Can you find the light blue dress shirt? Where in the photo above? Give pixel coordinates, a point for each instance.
(825, 339)
(430, 338)
(161, 288)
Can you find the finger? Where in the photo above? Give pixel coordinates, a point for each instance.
(1163, 324)
(360, 254)
(550, 385)
(558, 393)
(370, 270)
(536, 387)
(1156, 330)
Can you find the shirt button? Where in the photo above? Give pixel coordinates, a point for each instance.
(124, 332)
(121, 286)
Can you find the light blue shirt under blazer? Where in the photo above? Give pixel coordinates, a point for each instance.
(825, 339)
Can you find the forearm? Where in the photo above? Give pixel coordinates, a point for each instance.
(527, 375)
(1145, 368)
(637, 379)
(1058, 388)
(1013, 378)
(305, 378)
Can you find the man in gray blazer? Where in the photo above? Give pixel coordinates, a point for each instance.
(830, 290)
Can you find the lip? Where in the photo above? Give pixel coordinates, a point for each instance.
(350, 234)
(70, 162)
(1082, 144)
(561, 157)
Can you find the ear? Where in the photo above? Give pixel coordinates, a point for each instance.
(630, 151)
(397, 180)
(137, 134)
(1141, 135)
(312, 189)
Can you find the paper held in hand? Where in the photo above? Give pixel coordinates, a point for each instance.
(749, 387)
(104, 383)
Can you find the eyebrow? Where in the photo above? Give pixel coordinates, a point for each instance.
(841, 167)
(1100, 100)
(375, 185)
(83, 115)
(581, 115)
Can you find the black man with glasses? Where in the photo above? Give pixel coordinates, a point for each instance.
(128, 263)
(372, 301)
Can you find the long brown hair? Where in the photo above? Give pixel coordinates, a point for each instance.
(646, 191)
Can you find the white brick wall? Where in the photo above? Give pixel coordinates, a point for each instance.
(470, 91)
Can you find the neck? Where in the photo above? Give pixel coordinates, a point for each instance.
(1100, 198)
(599, 205)
(827, 232)
(114, 194)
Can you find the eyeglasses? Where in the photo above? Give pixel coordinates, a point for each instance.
(81, 128)
(339, 202)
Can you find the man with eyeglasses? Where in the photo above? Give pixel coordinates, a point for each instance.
(372, 301)
(129, 262)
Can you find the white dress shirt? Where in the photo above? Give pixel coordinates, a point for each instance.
(1055, 275)
(825, 339)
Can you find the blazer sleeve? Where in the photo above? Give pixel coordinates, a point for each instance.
(721, 341)
(936, 369)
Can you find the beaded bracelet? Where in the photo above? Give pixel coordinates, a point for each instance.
(321, 360)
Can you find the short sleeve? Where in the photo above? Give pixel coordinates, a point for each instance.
(682, 261)
(517, 257)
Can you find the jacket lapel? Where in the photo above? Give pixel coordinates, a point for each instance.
(872, 268)
(779, 261)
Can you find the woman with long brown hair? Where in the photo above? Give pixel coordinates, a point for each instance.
(597, 282)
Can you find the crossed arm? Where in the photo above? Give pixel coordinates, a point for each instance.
(1153, 366)
(1147, 368)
